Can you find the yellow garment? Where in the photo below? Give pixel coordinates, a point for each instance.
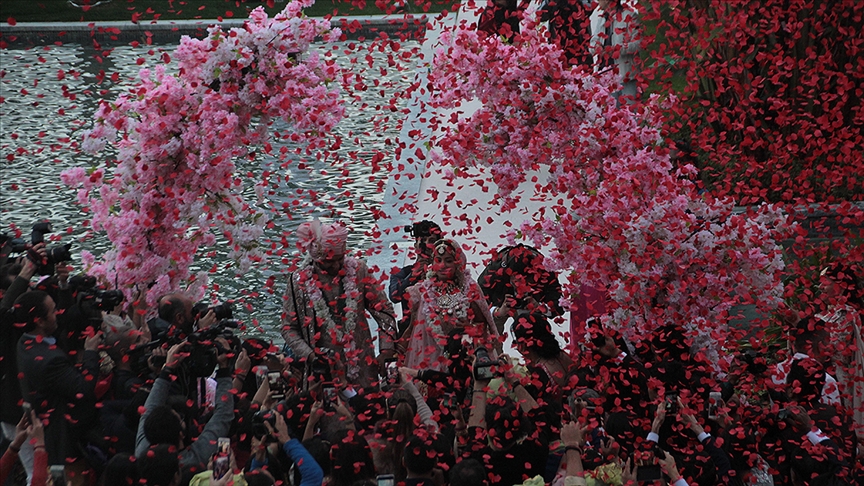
(535, 481)
(203, 479)
(605, 475)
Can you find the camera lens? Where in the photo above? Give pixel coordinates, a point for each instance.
(59, 254)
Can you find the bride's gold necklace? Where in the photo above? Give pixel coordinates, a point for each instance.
(447, 297)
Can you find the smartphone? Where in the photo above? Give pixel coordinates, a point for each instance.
(277, 386)
(386, 480)
(449, 401)
(329, 396)
(649, 473)
(223, 446)
(221, 466)
(58, 475)
(222, 460)
(714, 399)
(27, 409)
(483, 365)
(672, 403)
(392, 371)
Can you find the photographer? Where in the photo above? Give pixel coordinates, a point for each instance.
(51, 382)
(177, 317)
(160, 424)
(310, 471)
(515, 281)
(10, 387)
(426, 234)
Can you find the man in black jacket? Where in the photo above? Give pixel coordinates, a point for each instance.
(425, 233)
(10, 389)
(58, 391)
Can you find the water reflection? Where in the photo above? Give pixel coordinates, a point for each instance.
(50, 93)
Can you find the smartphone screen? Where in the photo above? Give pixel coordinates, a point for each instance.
(221, 466)
(58, 475)
(222, 460)
(392, 371)
(223, 446)
(714, 399)
(449, 401)
(329, 393)
(277, 389)
(386, 480)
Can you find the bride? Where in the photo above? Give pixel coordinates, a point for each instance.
(449, 299)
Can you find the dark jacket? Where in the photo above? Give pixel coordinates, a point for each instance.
(398, 289)
(10, 388)
(58, 391)
(219, 424)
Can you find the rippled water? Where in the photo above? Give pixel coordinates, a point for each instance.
(43, 114)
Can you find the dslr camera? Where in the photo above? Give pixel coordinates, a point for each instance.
(55, 254)
(222, 311)
(483, 365)
(423, 229)
(91, 296)
(204, 349)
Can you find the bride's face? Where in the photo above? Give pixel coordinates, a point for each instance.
(445, 267)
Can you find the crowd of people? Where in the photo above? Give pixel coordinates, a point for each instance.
(99, 391)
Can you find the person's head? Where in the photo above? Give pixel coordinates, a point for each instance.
(419, 456)
(812, 467)
(402, 407)
(532, 336)
(320, 451)
(259, 477)
(164, 426)
(426, 234)
(583, 401)
(8, 273)
(370, 408)
(523, 266)
(805, 381)
(325, 243)
(176, 310)
(603, 339)
(36, 312)
(669, 342)
(119, 339)
(350, 459)
(467, 472)
(121, 470)
(505, 423)
(159, 465)
(808, 334)
(620, 432)
(448, 262)
(841, 285)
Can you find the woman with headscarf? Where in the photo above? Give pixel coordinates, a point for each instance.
(326, 303)
(549, 367)
(448, 300)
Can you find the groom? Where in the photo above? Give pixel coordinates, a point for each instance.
(324, 308)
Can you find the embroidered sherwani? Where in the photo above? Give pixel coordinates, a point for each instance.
(306, 329)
